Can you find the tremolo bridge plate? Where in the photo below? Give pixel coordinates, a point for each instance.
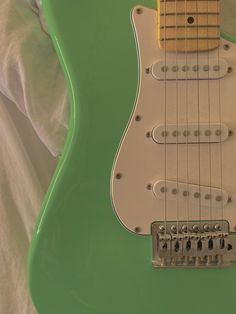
(193, 244)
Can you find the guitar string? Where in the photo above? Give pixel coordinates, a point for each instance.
(209, 114)
(220, 118)
(165, 117)
(198, 122)
(186, 115)
(177, 121)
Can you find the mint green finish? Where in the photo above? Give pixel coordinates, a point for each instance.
(82, 260)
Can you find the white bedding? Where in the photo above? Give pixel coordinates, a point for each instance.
(33, 126)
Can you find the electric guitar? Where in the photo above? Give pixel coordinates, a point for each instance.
(140, 216)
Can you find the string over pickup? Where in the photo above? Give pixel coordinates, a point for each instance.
(193, 193)
(190, 134)
(211, 70)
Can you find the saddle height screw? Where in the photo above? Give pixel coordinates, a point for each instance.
(206, 228)
(184, 228)
(196, 228)
(162, 229)
(217, 227)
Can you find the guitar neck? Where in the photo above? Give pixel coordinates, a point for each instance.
(188, 25)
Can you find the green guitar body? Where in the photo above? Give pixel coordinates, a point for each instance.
(82, 260)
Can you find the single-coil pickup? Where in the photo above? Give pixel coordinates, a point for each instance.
(204, 195)
(169, 70)
(190, 134)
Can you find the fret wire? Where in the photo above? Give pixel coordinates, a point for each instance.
(190, 26)
(191, 38)
(189, 13)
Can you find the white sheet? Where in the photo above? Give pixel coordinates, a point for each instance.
(33, 126)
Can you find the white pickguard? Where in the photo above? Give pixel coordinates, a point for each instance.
(140, 161)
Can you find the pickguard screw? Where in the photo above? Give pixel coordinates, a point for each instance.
(139, 11)
(226, 47)
(137, 229)
(138, 118)
(148, 134)
(149, 187)
(230, 133)
(148, 70)
(230, 69)
(119, 176)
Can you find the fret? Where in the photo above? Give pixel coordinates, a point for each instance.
(192, 32)
(195, 21)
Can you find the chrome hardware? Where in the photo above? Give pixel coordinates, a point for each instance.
(195, 248)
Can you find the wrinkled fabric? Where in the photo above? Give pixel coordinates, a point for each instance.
(33, 127)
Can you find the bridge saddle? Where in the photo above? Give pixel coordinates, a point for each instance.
(192, 244)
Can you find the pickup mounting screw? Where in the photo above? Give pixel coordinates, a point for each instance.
(148, 134)
(149, 186)
(148, 70)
